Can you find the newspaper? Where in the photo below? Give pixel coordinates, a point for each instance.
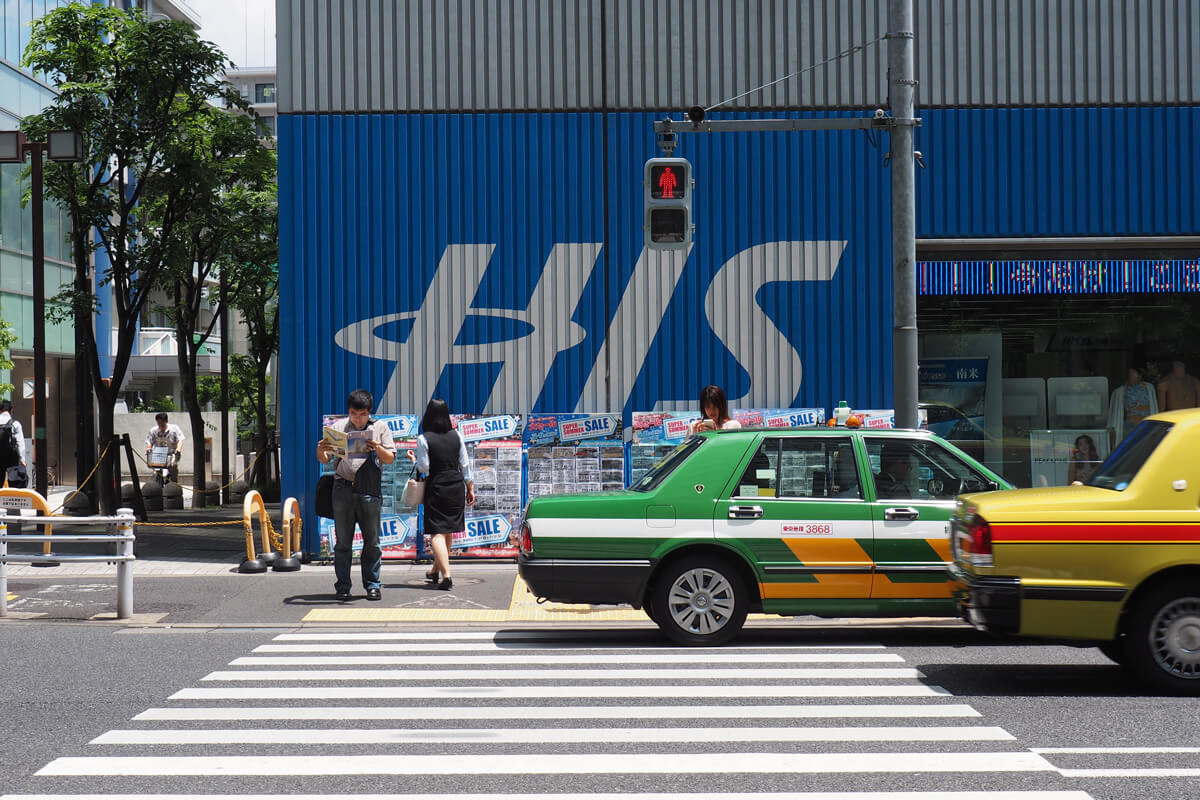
(350, 445)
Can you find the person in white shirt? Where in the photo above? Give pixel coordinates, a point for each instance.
(17, 475)
(170, 436)
(714, 409)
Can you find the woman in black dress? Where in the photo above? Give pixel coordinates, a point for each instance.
(442, 457)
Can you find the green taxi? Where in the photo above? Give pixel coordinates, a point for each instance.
(820, 521)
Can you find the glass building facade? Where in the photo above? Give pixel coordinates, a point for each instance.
(23, 93)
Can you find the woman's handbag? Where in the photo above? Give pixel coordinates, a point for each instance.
(414, 490)
(324, 500)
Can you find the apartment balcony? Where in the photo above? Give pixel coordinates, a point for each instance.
(157, 350)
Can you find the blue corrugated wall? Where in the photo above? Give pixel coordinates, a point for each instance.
(373, 206)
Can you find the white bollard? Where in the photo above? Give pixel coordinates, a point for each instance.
(125, 567)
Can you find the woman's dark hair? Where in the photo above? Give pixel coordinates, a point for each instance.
(1090, 444)
(437, 417)
(715, 397)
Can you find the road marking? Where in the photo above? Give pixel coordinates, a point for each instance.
(841, 711)
(269, 693)
(1130, 773)
(490, 736)
(1115, 750)
(437, 647)
(1036, 794)
(553, 764)
(550, 674)
(663, 656)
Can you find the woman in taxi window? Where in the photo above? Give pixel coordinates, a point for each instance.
(714, 410)
(1084, 460)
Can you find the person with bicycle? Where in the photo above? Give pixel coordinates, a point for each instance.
(167, 435)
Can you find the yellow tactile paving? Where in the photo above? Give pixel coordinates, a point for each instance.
(522, 608)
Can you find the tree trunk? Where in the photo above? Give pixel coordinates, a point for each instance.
(109, 495)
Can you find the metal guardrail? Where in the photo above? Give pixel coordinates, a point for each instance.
(119, 532)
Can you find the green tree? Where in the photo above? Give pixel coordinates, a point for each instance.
(217, 160)
(132, 87)
(7, 340)
(255, 295)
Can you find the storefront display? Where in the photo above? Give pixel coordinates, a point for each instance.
(572, 453)
(495, 449)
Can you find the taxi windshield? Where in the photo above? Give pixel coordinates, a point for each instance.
(1119, 468)
(658, 473)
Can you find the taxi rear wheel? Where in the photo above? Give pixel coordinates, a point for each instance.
(1163, 641)
(699, 601)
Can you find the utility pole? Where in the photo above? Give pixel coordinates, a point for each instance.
(901, 87)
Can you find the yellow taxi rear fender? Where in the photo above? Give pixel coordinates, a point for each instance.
(1188, 572)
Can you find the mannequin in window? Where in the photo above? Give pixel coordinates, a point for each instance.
(1178, 390)
(1130, 403)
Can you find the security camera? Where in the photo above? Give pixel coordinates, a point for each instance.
(879, 113)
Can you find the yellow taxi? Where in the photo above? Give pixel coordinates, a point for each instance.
(1115, 562)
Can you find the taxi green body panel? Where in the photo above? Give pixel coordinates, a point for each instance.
(1074, 558)
(606, 547)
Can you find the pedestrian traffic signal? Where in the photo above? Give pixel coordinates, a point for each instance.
(668, 213)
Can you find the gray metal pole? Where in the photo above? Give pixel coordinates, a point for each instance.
(40, 456)
(125, 568)
(4, 563)
(901, 87)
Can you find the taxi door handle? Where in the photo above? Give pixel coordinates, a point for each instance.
(745, 512)
(901, 513)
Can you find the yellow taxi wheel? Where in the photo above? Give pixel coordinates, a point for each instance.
(1163, 639)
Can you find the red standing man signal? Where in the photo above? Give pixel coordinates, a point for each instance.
(667, 182)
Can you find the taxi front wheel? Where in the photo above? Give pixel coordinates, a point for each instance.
(699, 601)
(1163, 642)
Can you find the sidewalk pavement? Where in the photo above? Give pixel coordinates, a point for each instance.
(186, 574)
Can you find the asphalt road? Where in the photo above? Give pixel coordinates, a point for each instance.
(1012, 708)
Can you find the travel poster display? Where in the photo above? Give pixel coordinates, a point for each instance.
(655, 434)
(495, 449)
(573, 453)
(397, 522)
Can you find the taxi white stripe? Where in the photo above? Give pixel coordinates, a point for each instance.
(553, 764)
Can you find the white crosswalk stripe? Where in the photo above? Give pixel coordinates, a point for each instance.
(454, 705)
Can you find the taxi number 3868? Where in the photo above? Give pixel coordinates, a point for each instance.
(808, 528)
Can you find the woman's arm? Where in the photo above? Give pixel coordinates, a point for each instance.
(464, 464)
(422, 459)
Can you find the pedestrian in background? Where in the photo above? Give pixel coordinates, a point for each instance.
(12, 448)
(168, 435)
(714, 410)
(442, 457)
(358, 491)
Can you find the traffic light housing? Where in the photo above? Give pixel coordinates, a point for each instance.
(667, 184)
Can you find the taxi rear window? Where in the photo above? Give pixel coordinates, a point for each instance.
(669, 463)
(1119, 468)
